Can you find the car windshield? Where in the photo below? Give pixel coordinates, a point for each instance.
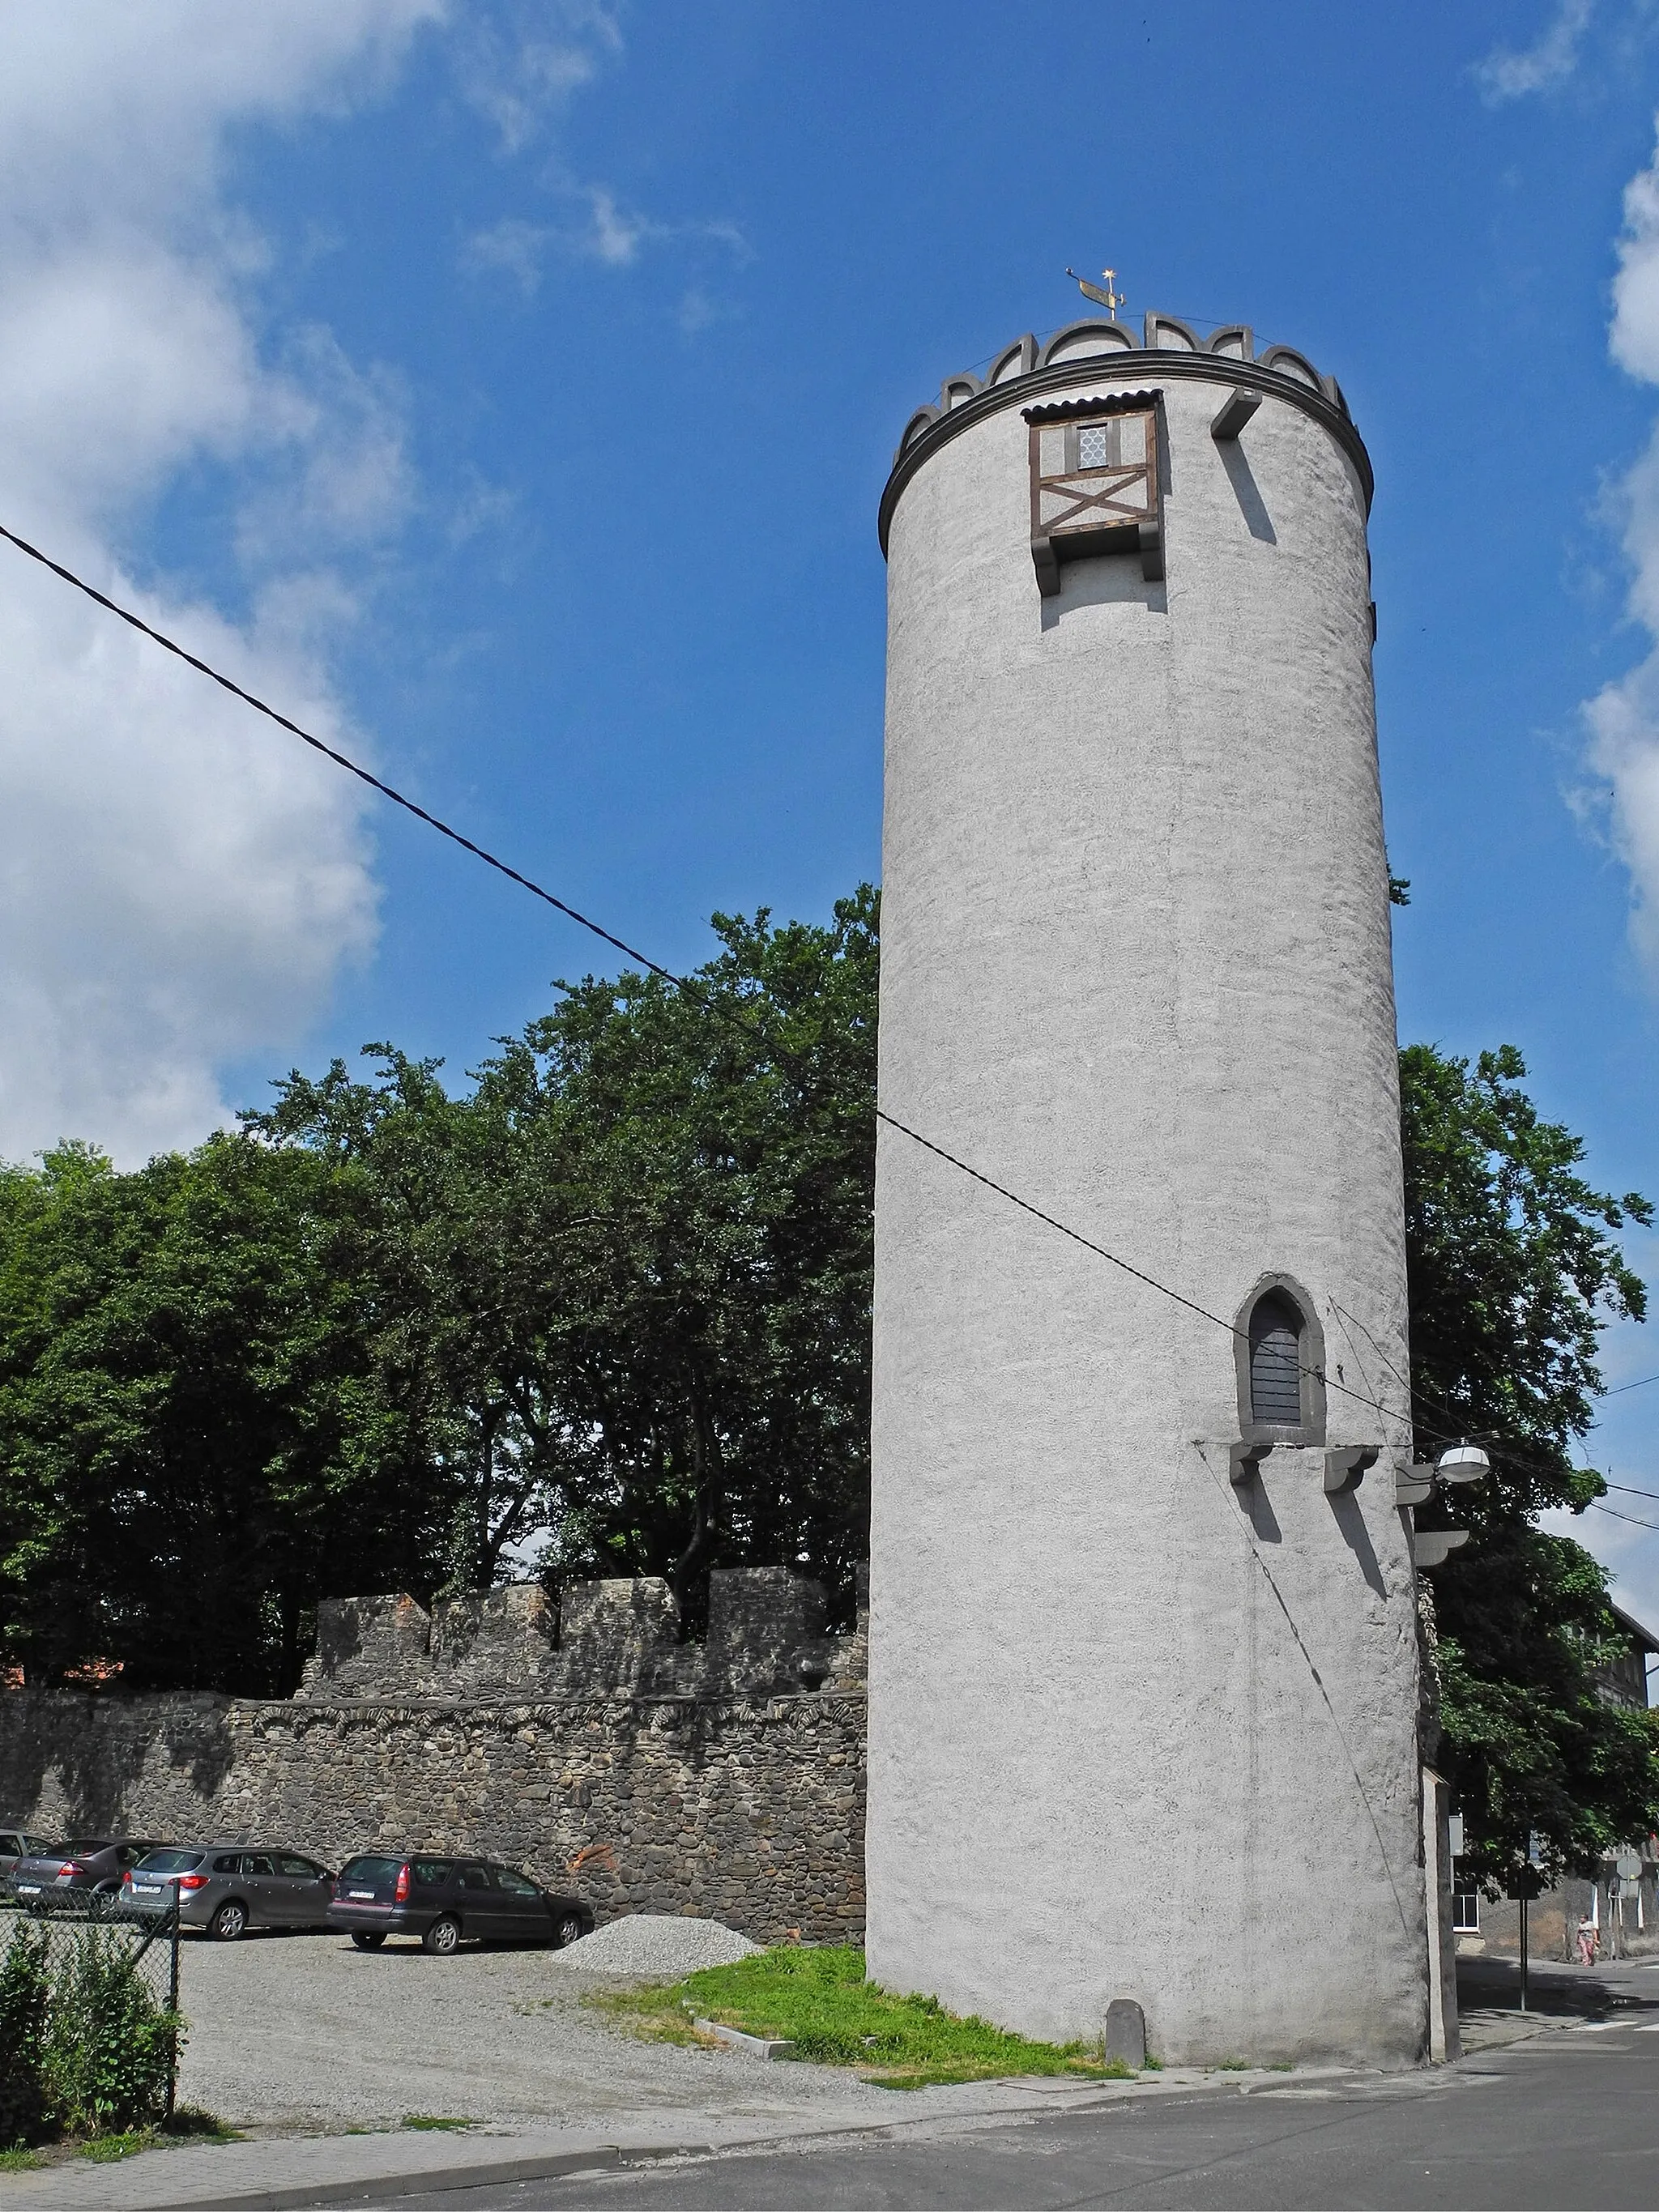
(371, 1870)
(168, 1862)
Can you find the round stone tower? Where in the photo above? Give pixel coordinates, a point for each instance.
(1144, 1661)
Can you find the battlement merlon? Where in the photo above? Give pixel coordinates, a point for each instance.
(608, 1639)
(1165, 347)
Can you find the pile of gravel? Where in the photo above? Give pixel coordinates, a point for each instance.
(659, 1944)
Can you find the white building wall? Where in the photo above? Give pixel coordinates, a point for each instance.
(1136, 966)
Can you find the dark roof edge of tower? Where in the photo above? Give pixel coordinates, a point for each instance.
(1172, 348)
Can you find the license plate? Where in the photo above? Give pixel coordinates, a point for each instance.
(28, 1889)
(362, 1896)
(146, 1889)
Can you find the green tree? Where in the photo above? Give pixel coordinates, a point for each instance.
(192, 1434)
(1513, 1276)
(624, 1284)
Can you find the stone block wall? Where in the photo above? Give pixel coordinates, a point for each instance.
(737, 1795)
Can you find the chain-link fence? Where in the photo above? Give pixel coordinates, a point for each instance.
(90, 2026)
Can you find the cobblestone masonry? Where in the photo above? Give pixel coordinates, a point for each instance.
(744, 1803)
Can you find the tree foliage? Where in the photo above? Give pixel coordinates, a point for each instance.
(630, 1272)
(1513, 1275)
(608, 1307)
(191, 1418)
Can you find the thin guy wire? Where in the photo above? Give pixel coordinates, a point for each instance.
(655, 967)
(1249, 1535)
(1338, 1308)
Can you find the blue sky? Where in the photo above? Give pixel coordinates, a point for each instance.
(510, 388)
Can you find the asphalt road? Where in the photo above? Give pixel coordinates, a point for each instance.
(1566, 2119)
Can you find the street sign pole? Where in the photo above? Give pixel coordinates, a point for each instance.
(1523, 1950)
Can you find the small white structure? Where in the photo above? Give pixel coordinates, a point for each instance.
(1144, 1666)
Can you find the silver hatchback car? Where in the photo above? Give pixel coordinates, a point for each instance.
(227, 1889)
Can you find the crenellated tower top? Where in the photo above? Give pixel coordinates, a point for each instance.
(1165, 347)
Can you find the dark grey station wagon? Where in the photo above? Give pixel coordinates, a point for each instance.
(444, 1901)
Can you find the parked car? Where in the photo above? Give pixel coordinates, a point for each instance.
(15, 1844)
(84, 1866)
(227, 1889)
(446, 1901)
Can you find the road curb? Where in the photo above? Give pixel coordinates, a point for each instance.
(376, 2188)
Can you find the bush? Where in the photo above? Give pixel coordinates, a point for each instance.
(25, 2003)
(110, 2049)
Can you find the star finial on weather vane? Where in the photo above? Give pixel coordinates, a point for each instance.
(1110, 299)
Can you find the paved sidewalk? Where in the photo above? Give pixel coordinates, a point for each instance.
(274, 2173)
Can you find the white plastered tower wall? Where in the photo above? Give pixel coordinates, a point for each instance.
(1136, 1731)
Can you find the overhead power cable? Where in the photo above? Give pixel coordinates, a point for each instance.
(1614, 1514)
(1620, 1388)
(330, 753)
(653, 967)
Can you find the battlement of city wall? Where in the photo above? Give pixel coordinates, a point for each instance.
(724, 1779)
(766, 1635)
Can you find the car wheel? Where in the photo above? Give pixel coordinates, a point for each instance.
(104, 1888)
(229, 1922)
(568, 1930)
(441, 1937)
(367, 1939)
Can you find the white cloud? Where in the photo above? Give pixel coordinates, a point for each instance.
(1622, 720)
(615, 236)
(519, 71)
(177, 885)
(1504, 76)
(513, 246)
(608, 232)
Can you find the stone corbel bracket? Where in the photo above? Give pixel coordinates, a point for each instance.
(1431, 1548)
(1344, 1467)
(1244, 1462)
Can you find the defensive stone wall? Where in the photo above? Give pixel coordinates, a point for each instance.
(725, 1780)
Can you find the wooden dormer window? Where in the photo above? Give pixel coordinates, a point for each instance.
(1095, 484)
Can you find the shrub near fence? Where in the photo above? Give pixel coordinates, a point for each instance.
(90, 2030)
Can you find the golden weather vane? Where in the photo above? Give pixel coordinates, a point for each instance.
(1110, 299)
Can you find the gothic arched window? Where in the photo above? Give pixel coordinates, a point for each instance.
(1281, 1354)
(1275, 1363)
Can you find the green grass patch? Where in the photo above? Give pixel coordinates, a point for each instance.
(20, 2161)
(188, 2125)
(434, 2120)
(819, 1999)
(104, 2150)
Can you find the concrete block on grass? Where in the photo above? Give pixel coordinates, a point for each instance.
(755, 2046)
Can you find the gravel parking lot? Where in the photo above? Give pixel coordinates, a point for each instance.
(299, 2031)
